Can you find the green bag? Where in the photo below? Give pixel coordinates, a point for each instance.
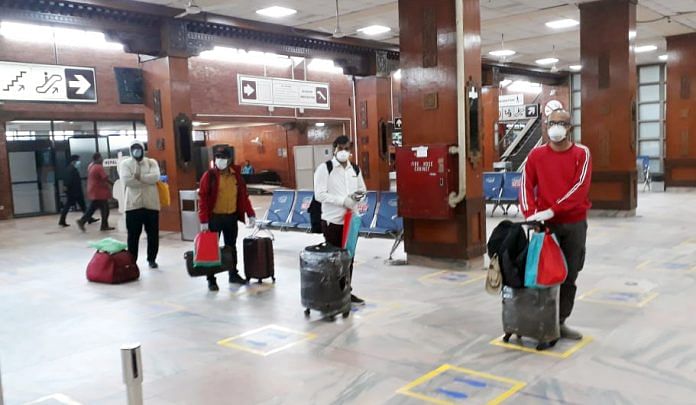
(109, 245)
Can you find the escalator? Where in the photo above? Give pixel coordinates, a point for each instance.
(519, 149)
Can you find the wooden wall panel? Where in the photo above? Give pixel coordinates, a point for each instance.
(680, 154)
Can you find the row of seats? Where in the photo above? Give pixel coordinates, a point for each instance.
(379, 214)
(502, 190)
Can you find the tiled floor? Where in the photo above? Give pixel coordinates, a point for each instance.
(422, 337)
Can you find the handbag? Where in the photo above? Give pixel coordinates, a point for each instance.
(163, 190)
(546, 265)
(351, 232)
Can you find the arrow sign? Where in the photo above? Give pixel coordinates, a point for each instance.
(81, 84)
(249, 89)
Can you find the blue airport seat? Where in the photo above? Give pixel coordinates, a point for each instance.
(388, 221)
(512, 183)
(300, 216)
(493, 188)
(279, 211)
(367, 208)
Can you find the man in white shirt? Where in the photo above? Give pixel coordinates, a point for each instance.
(139, 176)
(338, 186)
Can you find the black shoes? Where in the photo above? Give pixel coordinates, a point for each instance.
(92, 220)
(81, 225)
(63, 224)
(235, 278)
(108, 228)
(212, 285)
(153, 264)
(354, 299)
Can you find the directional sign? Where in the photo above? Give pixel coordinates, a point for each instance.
(531, 110)
(510, 100)
(34, 82)
(398, 122)
(275, 92)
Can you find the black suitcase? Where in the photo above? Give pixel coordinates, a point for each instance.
(325, 280)
(532, 312)
(258, 258)
(228, 263)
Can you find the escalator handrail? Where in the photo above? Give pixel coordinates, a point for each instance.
(523, 135)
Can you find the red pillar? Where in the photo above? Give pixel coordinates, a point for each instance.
(169, 76)
(680, 156)
(429, 112)
(607, 32)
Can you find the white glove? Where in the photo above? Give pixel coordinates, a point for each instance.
(252, 222)
(349, 202)
(542, 215)
(204, 227)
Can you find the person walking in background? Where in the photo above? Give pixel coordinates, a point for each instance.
(99, 193)
(224, 201)
(73, 190)
(555, 189)
(139, 175)
(338, 186)
(247, 169)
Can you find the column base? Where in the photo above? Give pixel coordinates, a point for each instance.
(449, 264)
(612, 213)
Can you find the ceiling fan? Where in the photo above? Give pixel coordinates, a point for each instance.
(191, 9)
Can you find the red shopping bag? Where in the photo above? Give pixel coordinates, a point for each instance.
(546, 264)
(206, 252)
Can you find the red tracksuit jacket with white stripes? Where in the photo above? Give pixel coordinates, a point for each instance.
(557, 180)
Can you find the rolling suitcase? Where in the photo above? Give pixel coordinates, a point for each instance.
(258, 258)
(112, 268)
(325, 280)
(532, 312)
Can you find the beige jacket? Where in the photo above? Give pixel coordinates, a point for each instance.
(140, 193)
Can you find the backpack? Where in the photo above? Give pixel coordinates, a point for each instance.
(508, 245)
(314, 209)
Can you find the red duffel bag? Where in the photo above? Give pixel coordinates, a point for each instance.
(112, 268)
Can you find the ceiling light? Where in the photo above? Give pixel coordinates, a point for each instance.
(374, 30)
(505, 83)
(575, 67)
(663, 57)
(250, 58)
(324, 65)
(502, 52)
(523, 86)
(546, 61)
(199, 124)
(276, 12)
(50, 35)
(397, 75)
(319, 124)
(565, 23)
(645, 48)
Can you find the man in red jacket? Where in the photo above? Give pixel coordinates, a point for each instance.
(99, 192)
(556, 184)
(224, 200)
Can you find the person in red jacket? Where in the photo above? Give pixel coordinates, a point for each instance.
(555, 189)
(224, 200)
(99, 192)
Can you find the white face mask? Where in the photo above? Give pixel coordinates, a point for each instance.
(137, 153)
(342, 156)
(557, 133)
(221, 164)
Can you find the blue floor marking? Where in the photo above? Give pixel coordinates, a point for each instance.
(256, 342)
(473, 383)
(452, 394)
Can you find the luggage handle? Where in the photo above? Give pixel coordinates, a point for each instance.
(258, 229)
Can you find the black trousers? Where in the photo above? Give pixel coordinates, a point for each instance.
(103, 206)
(225, 224)
(135, 221)
(71, 201)
(572, 238)
(333, 234)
